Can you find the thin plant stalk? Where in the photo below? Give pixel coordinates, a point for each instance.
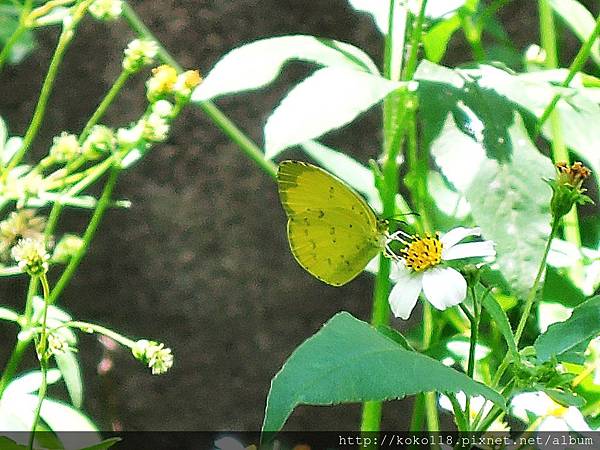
(64, 40)
(246, 144)
(43, 356)
(104, 104)
(88, 235)
(560, 152)
(394, 45)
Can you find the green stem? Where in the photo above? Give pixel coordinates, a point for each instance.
(415, 41)
(41, 396)
(42, 354)
(472, 347)
(87, 327)
(528, 304)
(394, 44)
(64, 40)
(17, 354)
(250, 148)
(549, 44)
(90, 231)
(533, 291)
(106, 102)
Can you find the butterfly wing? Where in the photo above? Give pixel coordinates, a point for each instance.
(332, 231)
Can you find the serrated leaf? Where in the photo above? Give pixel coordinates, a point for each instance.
(68, 364)
(328, 99)
(501, 321)
(371, 366)
(579, 20)
(258, 63)
(577, 330)
(346, 168)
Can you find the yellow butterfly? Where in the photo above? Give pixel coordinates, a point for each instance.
(332, 231)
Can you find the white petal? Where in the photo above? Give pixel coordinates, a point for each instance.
(456, 235)
(444, 287)
(469, 250)
(405, 293)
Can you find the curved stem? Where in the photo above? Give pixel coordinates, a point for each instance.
(64, 40)
(43, 356)
(87, 327)
(90, 231)
(248, 146)
(103, 106)
(533, 291)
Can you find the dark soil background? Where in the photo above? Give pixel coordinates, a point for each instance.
(201, 261)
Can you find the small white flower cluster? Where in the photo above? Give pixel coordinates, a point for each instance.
(65, 147)
(57, 344)
(158, 358)
(139, 53)
(100, 142)
(31, 256)
(106, 9)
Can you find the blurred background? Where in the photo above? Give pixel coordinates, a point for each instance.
(201, 260)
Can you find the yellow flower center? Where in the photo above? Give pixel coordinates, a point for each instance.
(423, 253)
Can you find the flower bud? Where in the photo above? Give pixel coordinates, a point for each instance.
(68, 246)
(31, 256)
(535, 55)
(155, 355)
(567, 188)
(161, 82)
(106, 9)
(156, 128)
(101, 141)
(139, 53)
(163, 108)
(64, 147)
(186, 82)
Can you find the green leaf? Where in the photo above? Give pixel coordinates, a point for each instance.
(107, 443)
(68, 364)
(436, 40)
(349, 361)
(326, 100)
(565, 398)
(579, 20)
(255, 65)
(31, 382)
(23, 46)
(346, 168)
(501, 321)
(3, 134)
(508, 198)
(558, 288)
(579, 329)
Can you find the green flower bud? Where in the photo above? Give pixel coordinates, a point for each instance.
(68, 246)
(567, 188)
(106, 9)
(101, 141)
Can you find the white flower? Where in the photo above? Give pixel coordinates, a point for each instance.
(420, 268)
(106, 9)
(551, 415)
(65, 147)
(156, 128)
(156, 356)
(163, 108)
(31, 256)
(139, 53)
